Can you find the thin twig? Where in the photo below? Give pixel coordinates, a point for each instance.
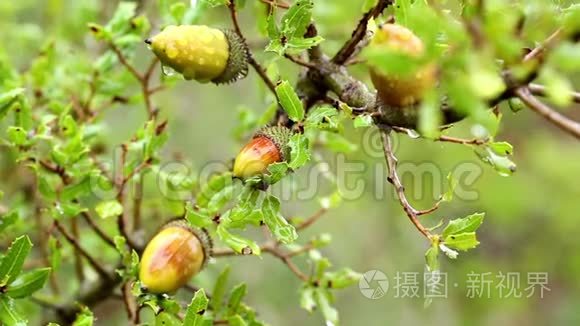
(74, 242)
(394, 179)
(100, 232)
(540, 90)
(257, 67)
(130, 304)
(570, 126)
(312, 219)
(300, 62)
(344, 54)
(540, 49)
(274, 250)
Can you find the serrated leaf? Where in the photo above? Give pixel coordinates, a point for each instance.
(276, 172)
(502, 148)
(109, 209)
(461, 241)
(240, 244)
(299, 151)
(297, 18)
(28, 283)
(8, 219)
(461, 225)
(198, 217)
(196, 309)
(290, 101)
(14, 259)
(167, 319)
(7, 99)
(8, 314)
(16, 135)
(278, 225)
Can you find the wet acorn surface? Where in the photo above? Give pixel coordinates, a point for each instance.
(198, 52)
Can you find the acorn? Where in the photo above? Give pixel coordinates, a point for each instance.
(175, 254)
(202, 53)
(269, 145)
(396, 90)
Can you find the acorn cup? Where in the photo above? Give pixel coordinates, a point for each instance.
(396, 90)
(175, 254)
(202, 53)
(269, 145)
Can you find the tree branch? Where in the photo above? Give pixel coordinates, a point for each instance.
(344, 54)
(540, 90)
(394, 179)
(559, 120)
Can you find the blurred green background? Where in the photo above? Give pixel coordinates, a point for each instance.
(532, 218)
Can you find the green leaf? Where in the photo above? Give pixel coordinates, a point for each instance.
(432, 258)
(236, 320)
(502, 148)
(7, 99)
(277, 224)
(14, 259)
(300, 151)
(297, 19)
(290, 101)
(214, 3)
(318, 114)
(235, 299)
(167, 319)
(276, 172)
(337, 142)
(462, 225)
(215, 185)
(219, 290)
(55, 254)
(239, 244)
(461, 241)
(196, 309)
(322, 299)
(342, 278)
(430, 116)
(307, 298)
(198, 217)
(451, 185)
(8, 314)
(363, 121)
(8, 219)
(402, 9)
(28, 283)
(109, 209)
(16, 135)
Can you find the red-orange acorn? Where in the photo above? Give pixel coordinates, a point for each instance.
(172, 257)
(269, 145)
(402, 90)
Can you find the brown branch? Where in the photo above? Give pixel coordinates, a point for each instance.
(547, 44)
(275, 251)
(556, 118)
(300, 62)
(394, 179)
(100, 232)
(540, 90)
(74, 242)
(251, 60)
(344, 54)
(130, 304)
(79, 268)
(312, 219)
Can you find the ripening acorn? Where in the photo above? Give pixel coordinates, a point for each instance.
(202, 53)
(395, 90)
(173, 256)
(269, 145)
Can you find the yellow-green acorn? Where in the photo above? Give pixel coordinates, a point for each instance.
(202, 53)
(395, 90)
(175, 254)
(269, 145)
